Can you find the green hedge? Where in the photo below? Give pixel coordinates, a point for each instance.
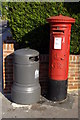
(30, 28)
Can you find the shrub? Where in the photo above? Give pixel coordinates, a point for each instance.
(30, 28)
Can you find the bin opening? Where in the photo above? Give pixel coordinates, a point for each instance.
(34, 58)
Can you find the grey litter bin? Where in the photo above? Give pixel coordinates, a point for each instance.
(26, 88)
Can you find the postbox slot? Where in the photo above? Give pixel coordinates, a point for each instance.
(58, 32)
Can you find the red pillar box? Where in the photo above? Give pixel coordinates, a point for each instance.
(60, 30)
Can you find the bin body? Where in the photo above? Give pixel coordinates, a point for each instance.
(60, 30)
(26, 87)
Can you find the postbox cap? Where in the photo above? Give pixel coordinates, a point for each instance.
(61, 19)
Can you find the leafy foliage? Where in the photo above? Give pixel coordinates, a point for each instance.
(30, 28)
(73, 10)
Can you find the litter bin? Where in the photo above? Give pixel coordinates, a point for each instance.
(26, 87)
(60, 30)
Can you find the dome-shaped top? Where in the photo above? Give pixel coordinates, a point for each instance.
(26, 52)
(25, 56)
(60, 19)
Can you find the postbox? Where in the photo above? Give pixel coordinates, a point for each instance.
(60, 31)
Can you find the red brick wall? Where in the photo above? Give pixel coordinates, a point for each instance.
(43, 77)
(74, 72)
(8, 49)
(73, 76)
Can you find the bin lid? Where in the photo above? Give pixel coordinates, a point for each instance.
(23, 56)
(61, 19)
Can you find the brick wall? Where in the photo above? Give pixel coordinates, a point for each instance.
(74, 72)
(8, 49)
(73, 76)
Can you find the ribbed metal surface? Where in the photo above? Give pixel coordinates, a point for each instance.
(26, 87)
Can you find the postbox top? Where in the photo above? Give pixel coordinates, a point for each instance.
(60, 19)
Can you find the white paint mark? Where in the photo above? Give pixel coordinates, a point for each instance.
(20, 106)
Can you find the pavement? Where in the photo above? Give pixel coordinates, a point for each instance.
(69, 108)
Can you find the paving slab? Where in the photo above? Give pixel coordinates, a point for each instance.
(43, 109)
(0, 106)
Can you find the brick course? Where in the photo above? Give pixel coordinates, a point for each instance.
(73, 74)
(8, 49)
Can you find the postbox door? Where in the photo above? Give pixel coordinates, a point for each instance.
(58, 55)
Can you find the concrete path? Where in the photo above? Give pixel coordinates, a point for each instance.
(43, 109)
